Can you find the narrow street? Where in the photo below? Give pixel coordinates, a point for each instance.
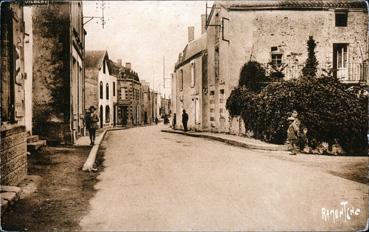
(159, 181)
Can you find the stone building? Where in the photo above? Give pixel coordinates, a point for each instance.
(58, 71)
(100, 87)
(274, 33)
(147, 103)
(129, 94)
(13, 148)
(164, 107)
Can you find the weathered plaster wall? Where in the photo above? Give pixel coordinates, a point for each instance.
(253, 33)
(92, 87)
(189, 94)
(51, 73)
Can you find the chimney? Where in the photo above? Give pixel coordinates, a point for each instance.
(128, 65)
(203, 24)
(119, 61)
(191, 34)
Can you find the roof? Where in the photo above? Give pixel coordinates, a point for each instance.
(94, 59)
(192, 49)
(293, 4)
(119, 71)
(115, 68)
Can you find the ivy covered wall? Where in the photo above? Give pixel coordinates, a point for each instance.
(51, 71)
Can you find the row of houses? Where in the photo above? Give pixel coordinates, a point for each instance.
(49, 80)
(273, 33)
(117, 92)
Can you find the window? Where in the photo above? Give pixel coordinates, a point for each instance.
(114, 88)
(276, 59)
(107, 90)
(104, 67)
(341, 19)
(12, 101)
(181, 80)
(276, 56)
(193, 74)
(101, 90)
(107, 114)
(340, 61)
(123, 93)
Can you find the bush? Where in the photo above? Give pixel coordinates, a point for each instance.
(325, 107)
(252, 76)
(240, 99)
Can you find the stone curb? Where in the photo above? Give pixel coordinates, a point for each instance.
(88, 165)
(229, 141)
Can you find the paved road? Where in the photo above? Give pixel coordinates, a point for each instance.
(160, 181)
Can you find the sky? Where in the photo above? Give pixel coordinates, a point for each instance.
(142, 33)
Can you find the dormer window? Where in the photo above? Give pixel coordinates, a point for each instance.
(341, 18)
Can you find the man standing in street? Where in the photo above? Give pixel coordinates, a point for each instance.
(94, 125)
(174, 122)
(184, 120)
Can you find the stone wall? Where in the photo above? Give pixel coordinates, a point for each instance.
(252, 34)
(13, 153)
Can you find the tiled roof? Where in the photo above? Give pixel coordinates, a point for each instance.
(94, 59)
(117, 70)
(293, 4)
(193, 48)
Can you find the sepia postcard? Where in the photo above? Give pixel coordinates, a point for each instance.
(247, 115)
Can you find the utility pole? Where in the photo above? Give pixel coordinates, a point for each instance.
(102, 17)
(164, 71)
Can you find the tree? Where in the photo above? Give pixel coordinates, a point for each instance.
(311, 63)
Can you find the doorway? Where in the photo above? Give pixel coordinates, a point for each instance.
(101, 116)
(124, 114)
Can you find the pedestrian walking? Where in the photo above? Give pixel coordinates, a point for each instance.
(94, 125)
(184, 120)
(174, 122)
(293, 136)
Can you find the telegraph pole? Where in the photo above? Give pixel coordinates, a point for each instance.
(102, 17)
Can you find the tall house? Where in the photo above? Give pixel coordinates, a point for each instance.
(190, 82)
(101, 87)
(13, 149)
(129, 95)
(58, 71)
